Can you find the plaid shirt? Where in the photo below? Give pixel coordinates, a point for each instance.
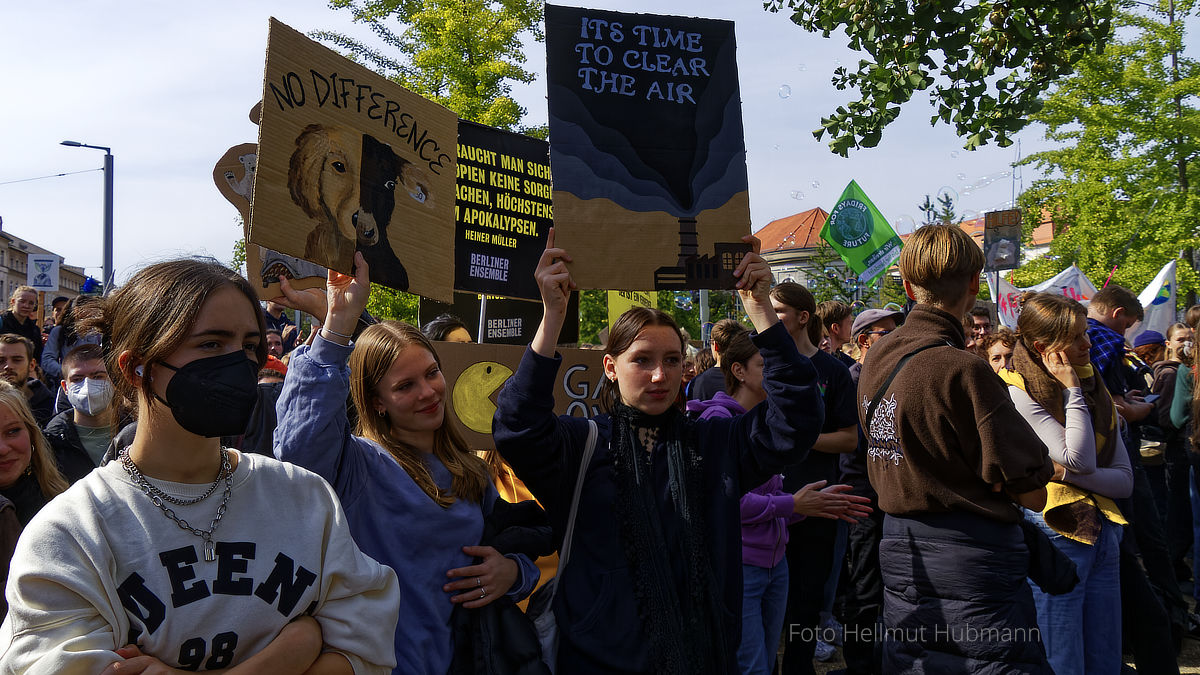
(1108, 347)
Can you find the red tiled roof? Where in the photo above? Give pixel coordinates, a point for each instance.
(800, 231)
(1042, 234)
(803, 231)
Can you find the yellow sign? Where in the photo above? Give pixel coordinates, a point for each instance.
(620, 302)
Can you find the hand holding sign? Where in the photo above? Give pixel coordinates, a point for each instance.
(311, 301)
(347, 296)
(754, 286)
(554, 282)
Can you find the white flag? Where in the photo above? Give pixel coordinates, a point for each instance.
(1158, 301)
(1071, 282)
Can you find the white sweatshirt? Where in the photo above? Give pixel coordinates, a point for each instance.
(101, 566)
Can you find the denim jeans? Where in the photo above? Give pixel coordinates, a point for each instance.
(764, 599)
(1081, 629)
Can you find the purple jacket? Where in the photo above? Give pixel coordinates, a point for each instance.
(767, 510)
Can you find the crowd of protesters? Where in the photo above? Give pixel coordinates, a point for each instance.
(188, 481)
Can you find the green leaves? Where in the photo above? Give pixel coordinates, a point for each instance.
(463, 54)
(1122, 188)
(996, 59)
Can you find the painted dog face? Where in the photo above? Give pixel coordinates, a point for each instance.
(382, 172)
(323, 176)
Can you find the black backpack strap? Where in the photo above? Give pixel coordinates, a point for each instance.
(896, 371)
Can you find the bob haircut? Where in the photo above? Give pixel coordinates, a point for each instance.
(41, 459)
(375, 351)
(152, 314)
(939, 261)
(622, 335)
(1048, 318)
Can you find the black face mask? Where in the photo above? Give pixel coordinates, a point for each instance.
(213, 396)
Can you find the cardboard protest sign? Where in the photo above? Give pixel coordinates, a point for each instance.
(621, 301)
(1002, 240)
(861, 235)
(474, 374)
(502, 211)
(350, 161)
(1158, 302)
(505, 321)
(650, 186)
(234, 176)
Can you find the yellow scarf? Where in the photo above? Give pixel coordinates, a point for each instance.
(1070, 510)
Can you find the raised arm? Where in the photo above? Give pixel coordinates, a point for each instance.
(554, 282)
(778, 431)
(314, 430)
(542, 448)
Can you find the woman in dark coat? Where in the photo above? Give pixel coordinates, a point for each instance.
(654, 583)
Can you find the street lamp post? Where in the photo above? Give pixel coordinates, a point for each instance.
(108, 209)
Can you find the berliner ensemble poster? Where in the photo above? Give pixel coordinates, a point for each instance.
(351, 161)
(647, 149)
(502, 211)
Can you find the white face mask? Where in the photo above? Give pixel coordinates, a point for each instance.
(90, 397)
(1185, 349)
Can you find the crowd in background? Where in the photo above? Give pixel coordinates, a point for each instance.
(917, 487)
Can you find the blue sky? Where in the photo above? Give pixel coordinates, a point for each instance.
(168, 86)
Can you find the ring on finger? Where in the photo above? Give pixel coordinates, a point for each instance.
(482, 594)
(478, 582)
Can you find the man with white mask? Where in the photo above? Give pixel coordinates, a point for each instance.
(83, 432)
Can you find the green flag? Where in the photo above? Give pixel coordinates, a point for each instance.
(861, 235)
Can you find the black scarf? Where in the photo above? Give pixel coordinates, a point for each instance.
(682, 617)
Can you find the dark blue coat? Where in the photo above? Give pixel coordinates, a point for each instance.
(597, 614)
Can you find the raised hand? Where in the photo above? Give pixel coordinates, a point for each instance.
(555, 284)
(347, 298)
(754, 286)
(311, 301)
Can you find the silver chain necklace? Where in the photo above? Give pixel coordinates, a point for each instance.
(158, 496)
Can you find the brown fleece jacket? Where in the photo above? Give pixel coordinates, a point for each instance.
(945, 431)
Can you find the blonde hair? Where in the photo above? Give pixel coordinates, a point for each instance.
(12, 299)
(1048, 318)
(939, 261)
(41, 459)
(375, 351)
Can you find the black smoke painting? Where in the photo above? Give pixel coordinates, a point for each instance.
(647, 148)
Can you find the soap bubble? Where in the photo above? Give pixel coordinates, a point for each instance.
(960, 176)
(816, 184)
(904, 223)
(947, 190)
(777, 147)
(801, 67)
(785, 91)
(798, 195)
(954, 154)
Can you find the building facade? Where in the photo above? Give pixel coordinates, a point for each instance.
(14, 270)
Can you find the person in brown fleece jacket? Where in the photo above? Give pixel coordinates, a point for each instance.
(949, 455)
